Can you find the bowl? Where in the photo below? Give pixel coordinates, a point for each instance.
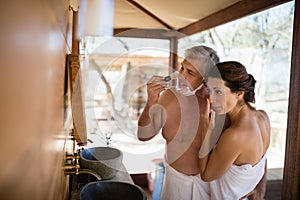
(105, 161)
(112, 190)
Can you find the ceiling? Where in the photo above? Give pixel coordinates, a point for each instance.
(187, 17)
(170, 14)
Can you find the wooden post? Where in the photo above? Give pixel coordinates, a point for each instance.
(173, 54)
(291, 175)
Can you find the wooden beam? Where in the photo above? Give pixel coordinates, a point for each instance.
(291, 175)
(147, 33)
(173, 59)
(120, 30)
(75, 40)
(148, 13)
(234, 12)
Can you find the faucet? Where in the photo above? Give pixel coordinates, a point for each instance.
(74, 168)
(84, 171)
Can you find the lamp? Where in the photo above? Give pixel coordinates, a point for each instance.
(96, 18)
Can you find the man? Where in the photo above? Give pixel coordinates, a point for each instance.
(176, 111)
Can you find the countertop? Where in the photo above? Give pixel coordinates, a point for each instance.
(121, 176)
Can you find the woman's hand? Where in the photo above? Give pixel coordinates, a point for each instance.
(207, 124)
(208, 118)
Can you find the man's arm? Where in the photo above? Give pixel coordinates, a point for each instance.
(150, 121)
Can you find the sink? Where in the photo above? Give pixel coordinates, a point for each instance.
(112, 190)
(105, 161)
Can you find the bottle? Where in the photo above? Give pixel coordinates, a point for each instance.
(171, 79)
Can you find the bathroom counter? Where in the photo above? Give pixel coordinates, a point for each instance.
(121, 176)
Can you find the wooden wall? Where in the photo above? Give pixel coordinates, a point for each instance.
(35, 38)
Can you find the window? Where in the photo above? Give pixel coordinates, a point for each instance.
(262, 42)
(115, 73)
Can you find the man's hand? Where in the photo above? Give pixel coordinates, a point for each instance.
(154, 87)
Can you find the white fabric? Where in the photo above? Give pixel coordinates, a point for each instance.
(178, 186)
(237, 181)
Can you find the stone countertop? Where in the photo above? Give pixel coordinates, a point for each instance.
(121, 176)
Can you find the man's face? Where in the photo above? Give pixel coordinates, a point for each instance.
(189, 75)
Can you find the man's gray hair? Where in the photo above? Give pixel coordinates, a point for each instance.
(203, 52)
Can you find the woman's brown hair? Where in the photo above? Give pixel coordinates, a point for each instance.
(236, 78)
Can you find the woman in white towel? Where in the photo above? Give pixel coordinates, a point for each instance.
(236, 164)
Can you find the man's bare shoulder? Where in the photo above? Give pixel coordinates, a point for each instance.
(167, 96)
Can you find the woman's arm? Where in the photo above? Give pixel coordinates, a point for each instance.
(221, 157)
(225, 152)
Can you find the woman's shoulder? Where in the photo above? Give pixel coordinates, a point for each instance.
(263, 116)
(264, 122)
(262, 112)
(232, 134)
(239, 132)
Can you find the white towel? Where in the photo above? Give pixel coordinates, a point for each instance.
(178, 186)
(237, 181)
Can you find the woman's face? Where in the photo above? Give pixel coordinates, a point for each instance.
(189, 75)
(222, 99)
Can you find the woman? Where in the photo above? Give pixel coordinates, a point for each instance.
(236, 164)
